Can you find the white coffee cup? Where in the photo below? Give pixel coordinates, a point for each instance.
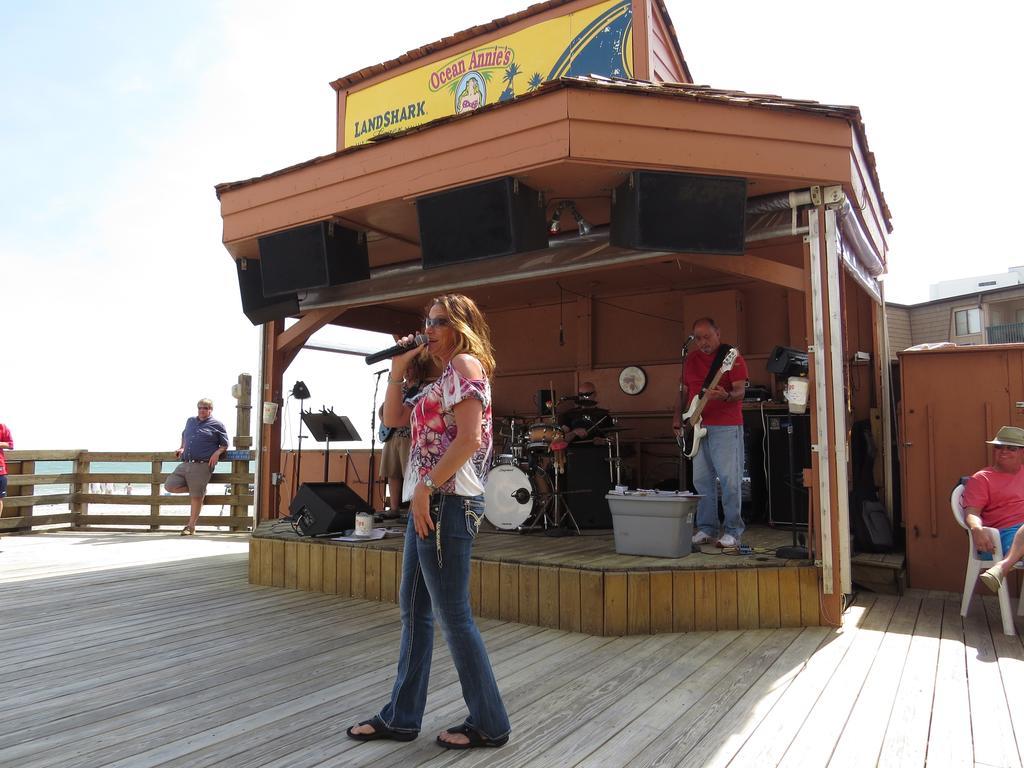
(364, 524)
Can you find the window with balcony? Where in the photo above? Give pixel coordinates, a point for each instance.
(967, 321)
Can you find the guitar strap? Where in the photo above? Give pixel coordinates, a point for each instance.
(723, 350)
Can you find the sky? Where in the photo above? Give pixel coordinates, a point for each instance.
(120, 305)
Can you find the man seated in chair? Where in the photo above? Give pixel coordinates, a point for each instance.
(994, 498)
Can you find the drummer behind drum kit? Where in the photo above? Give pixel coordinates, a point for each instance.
(523, 485)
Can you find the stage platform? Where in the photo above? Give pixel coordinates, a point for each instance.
(575, 583)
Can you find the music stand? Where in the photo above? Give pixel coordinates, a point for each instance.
(327, 426)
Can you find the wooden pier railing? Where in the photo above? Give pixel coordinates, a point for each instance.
(84, 509)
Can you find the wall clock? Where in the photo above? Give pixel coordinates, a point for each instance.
(632, 380)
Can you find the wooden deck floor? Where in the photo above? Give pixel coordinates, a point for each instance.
(136, 650)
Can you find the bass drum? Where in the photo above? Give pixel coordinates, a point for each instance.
(511, 497)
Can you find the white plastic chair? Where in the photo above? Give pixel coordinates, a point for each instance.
(975, 565)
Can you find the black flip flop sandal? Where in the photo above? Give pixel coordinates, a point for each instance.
(380, 731)
(474, 736)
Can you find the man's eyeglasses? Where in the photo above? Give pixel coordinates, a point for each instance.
(1013, 448)
(205, 407)
(436, 322)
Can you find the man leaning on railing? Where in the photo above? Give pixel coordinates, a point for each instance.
(203, 441)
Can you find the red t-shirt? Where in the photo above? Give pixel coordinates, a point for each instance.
(716, 413)
(5, 437)
(999, 496)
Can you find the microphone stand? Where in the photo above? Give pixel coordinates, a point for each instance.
(298, 453)
(372, 479)
(684, 481)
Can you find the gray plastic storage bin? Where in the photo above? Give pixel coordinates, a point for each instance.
(658, 525)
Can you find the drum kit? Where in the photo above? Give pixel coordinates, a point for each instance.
(523, 491)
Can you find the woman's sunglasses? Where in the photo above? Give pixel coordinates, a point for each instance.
(436, 322)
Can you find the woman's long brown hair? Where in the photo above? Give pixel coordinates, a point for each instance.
(472, 334)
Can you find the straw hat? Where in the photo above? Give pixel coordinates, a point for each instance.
(1008, 436)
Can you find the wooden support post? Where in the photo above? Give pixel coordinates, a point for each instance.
(80, 468)
(243, 442)
(269, 464)
(154, 491)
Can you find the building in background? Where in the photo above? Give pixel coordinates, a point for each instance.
(988, 309)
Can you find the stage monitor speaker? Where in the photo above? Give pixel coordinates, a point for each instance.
(586, 483)
(680, 212)
(481, 221)
(782, 476)
(257, 307)
(322, 508)
(312, 256)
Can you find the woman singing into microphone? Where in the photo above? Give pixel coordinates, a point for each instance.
(449, 458)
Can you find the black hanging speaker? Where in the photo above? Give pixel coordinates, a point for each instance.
(257, 307)
(480, 221)
(321, 508)
(312, 256)
(680, 212)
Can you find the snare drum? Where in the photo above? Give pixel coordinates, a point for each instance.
(540, 435)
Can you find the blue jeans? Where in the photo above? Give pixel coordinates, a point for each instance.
(720, 457)
(435, 582)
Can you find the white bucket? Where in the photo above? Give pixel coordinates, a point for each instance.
(796, 393)
(269, 413)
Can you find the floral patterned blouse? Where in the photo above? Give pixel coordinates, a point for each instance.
(433, 430)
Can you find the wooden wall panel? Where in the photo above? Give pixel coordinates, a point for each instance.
(592, 602)
(748, 604)
(358, 572)
(344, 571)
(569, 611)
(529, 594)
(330, 567)
(726, 604)
(638, 603)
(316, 567)
(661, 602)
(683, 590)
(490, 590)
(595, 602)
(768, 597)
(508, 593)
(614, 603)
(547, 609)
(789, 597)
(373, 577)
(291, 569)
(705, 615)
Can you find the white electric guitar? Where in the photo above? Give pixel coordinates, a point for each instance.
(693, 431)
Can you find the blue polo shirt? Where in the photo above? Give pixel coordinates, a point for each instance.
(202, 438)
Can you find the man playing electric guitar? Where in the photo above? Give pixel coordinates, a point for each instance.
(719, 455)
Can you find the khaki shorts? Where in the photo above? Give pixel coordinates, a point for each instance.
(394, 457)
(193, 475)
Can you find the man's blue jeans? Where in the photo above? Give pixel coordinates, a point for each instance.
(435, 582)
(720, 458)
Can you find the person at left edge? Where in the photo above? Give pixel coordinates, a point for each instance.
(203, 441)
(449, 458)
(6, 441)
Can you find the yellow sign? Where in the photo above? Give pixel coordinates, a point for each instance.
(595, 41)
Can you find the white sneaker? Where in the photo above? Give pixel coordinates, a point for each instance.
(728, 541)
(701, 538)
